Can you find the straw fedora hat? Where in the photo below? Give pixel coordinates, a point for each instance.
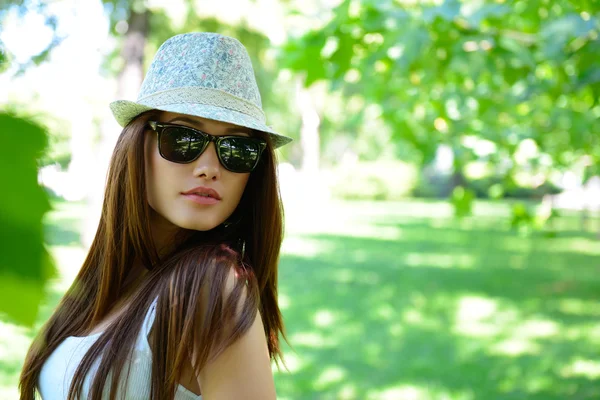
(206, 75)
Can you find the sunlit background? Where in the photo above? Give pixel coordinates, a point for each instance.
(442, 194)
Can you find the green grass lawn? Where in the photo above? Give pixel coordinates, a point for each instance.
(401, 301)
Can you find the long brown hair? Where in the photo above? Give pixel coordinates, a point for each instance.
(194, 317)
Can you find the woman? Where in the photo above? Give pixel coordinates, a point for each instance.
(177, 298)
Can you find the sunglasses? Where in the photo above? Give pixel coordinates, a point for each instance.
(182, 145)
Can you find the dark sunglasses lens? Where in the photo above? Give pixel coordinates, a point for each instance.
(180, 145)
(239, 154)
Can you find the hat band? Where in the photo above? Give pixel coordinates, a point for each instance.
(206, 96)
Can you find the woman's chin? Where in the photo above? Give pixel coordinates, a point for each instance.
(204, 226)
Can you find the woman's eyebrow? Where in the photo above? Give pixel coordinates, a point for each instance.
(233, 129)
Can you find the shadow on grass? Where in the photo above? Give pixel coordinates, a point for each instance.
(440, 312)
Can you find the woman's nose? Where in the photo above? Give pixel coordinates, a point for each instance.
(208, 165)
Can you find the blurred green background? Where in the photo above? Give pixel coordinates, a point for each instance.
(442, 194)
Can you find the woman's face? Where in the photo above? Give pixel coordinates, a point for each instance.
(169, 185)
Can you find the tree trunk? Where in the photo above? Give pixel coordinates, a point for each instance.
(129, 81)
(309, 132)
(310, 185)
(132, 74)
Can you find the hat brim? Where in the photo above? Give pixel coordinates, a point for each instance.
(125, 111)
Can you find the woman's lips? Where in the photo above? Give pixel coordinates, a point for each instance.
(203, 190)
(196, 198)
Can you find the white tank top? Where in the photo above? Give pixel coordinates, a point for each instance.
(59, 369)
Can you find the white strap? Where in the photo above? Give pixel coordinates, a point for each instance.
(147, 324)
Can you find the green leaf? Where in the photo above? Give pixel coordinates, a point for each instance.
(342, 56)
(304, 55)
(414, 41)
(518, 49)
(25, 265)
(449, 10)
(487, 11)
(557, 33)
(567, 27)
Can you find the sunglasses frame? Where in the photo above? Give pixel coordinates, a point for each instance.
(159, 127)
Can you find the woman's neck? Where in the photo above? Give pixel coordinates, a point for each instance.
(164, 233)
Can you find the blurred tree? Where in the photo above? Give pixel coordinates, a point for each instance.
(25, 265)
(460, 73)
(22, 7)
(131, 21)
